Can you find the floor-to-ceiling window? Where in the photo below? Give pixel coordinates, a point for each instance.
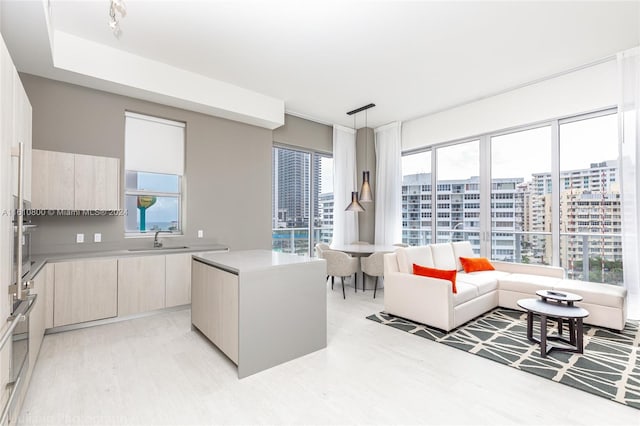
(520, 195)
(551, 195)
(302, 200)
(589, 190)
(457, 193)
(416, 198)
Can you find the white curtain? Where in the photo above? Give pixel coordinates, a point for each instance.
(345, 224)
(388, 184)
(629, 127)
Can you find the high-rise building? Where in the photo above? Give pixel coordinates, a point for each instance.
(291, 193)
(458, 212)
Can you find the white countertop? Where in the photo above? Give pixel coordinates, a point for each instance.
(252, 260)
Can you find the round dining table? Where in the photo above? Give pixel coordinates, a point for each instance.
(361, 250)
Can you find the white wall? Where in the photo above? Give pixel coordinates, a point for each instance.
(584, 90)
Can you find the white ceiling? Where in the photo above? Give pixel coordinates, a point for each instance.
(324, 58)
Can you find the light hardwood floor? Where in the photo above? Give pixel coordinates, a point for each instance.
(155, 370)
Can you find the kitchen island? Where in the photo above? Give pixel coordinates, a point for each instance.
(259, 307)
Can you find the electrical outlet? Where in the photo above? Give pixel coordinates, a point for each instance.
(79, 238)
(97, 237)
(200, 233)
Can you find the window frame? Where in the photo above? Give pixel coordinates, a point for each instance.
(181, 195)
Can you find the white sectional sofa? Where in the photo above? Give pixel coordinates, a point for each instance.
(431, 301)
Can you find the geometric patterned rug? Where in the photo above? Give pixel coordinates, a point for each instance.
(609, 367)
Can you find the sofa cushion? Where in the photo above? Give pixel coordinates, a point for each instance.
(595, 293)
(526, 283)
(486, 281)
(466, 292)
(443, 257)
(407, 256)
(443, 274)
(476, 264)
(462, 249)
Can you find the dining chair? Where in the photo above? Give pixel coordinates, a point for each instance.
(401, 245)
(341, 265)
(372, 266)
(320, 249)
(361, 243)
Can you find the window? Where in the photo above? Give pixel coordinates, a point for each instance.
(588, 159)
(302, 200)
(154, 166)
(416, 179)
(554, 196)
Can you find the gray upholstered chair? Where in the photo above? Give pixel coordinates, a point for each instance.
(362, 243)
(372, 266)
(341, 265)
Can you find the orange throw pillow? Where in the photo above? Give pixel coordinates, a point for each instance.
(475, 264)
(444, 274)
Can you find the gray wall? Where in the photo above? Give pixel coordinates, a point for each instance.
(305, 134)
(228, 167)
(366, 160)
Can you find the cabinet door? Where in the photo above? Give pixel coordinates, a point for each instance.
(199, 311)
(141, 284)
(85, 290)
(97, 183)
(37, 317)
(229, 315)
(52, 183)
(49, 294)
(178, 279)
(22, 131)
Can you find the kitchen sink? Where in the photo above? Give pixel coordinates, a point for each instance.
(159, 248)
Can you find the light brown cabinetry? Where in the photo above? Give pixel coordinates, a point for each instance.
(85, 290)
(141, 284)
(68, 181)
(53, 180)
(96, 182)
(214, 306)
(178, 279)
(37, 319)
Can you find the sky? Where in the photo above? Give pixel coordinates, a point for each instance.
(523, 153)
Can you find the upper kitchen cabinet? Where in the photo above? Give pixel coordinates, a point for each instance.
(75, 182)
(22, 132)
(96, 182)
(16, 121)
(53, 180)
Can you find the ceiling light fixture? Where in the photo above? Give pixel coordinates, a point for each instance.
(366, 195)
(116, 7)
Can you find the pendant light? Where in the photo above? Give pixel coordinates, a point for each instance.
(355, 205)
(365, 191)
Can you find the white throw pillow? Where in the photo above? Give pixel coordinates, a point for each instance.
(407, 256)
(443, 256)
(462, 249)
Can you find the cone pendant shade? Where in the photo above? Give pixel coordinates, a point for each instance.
(365, 192)
(355, 205)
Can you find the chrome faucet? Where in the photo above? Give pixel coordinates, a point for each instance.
(156, 243)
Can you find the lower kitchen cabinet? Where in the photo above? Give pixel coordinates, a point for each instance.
(178, 279)
(214, 308)
(85, 290)
(141, 284)
(37, 320)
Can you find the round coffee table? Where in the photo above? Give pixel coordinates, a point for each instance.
(560, 311)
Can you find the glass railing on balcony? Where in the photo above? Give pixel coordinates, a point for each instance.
(590, 256)
(296, 240)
